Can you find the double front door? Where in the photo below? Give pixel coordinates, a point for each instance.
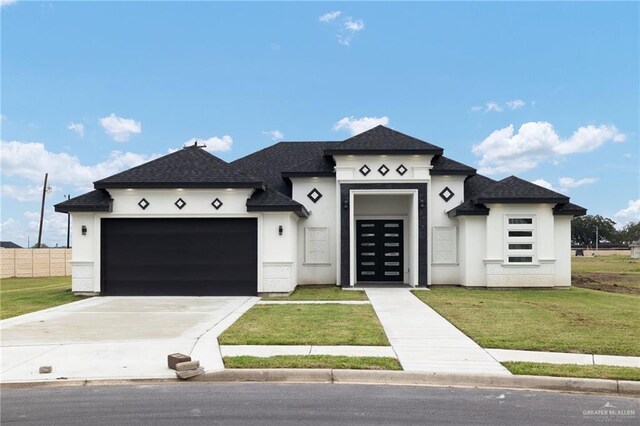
(379, 250)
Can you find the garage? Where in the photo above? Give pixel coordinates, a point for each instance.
(179, 257)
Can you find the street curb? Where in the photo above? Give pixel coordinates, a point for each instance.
(373, 377)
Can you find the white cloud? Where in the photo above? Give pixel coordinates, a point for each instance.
(24, 231)
(78, 128)
(493, 106)
(353, 25)
(276, 135)
(358, 125)
(22, 193)
(214, 143)
(6, 2)
(543, 183)
(329, 16)
(505, 151)
(569, 182)
(120, 129)
(515, 104)
(3, 118)
(629, 214)
(476, 108)
(588, 138)
(30, 160)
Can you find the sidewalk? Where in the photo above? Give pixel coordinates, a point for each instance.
(504, 355)
(425, 341)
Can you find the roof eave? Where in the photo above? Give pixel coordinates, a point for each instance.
(299, 211)
(422, 151)
(173, 185)
(308, 174)
(481, 212)
(482, 200)
(88, 208)
(435, 172)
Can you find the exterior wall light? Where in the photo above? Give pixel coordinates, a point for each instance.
(280, 230)
(84, 230)
(421, 203)
(345, 203)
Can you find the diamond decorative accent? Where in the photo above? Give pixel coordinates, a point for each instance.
(143, 204)
(446, 194)
(314, 195)
(216, 203)
(365, 170)
(383, 170)
(401, 170)
(180, 203)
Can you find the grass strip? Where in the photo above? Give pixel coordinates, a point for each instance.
(327, 324)
(20, 296)
(313, 361)
(573, 370)
(324, 292)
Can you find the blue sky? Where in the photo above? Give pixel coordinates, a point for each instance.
(546, 91)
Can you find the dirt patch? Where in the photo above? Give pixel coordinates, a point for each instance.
(612, 283)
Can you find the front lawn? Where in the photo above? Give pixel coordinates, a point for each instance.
(575, 320)
(313, 361)
(327, 324)
(23, 295)
(324, 292)
(573, 370)
(615, 274)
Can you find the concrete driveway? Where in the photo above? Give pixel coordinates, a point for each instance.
(116, 337)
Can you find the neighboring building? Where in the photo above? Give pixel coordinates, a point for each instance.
(9, 245)
(379, 207)
(635, 249)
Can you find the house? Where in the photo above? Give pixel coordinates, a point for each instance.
(379, 207)
(9, 245)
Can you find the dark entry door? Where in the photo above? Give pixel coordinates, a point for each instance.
(179, 257)
(380, 250)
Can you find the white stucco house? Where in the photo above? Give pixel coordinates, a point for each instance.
(379, 207)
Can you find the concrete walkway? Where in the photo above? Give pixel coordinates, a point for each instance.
(504, 355)
(425, 341)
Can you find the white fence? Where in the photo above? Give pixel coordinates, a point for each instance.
(35, 262)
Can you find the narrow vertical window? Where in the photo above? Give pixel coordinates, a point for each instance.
(520, 240)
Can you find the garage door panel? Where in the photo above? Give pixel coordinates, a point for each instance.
(179, 256)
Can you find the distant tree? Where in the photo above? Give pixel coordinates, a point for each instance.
(43, 245)
(630, 232)
(583, 230)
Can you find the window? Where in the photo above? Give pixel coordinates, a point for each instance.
(520, 241)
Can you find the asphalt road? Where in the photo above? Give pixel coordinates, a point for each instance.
(302, 404)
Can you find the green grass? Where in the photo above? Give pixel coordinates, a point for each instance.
(327, 324)
(573, 370)
(23, 295)
(313, 361)
(615, 274)
(575, 320)
(325, 292)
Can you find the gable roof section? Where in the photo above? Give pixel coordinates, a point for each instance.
(516, 190)
(446, 166)
(97, 200)
(270, 200)
(190, 167)
(9, 245)
(269, 163)
(472, 187)
(382, 140)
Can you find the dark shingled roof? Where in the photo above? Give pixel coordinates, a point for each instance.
(268, 163)
(479, 190)
(446, 166)
(382, 140)
(270, 200)
(472, 187)
(516, 190)
(9, 245)
(97, 200)
(569, 209)
(316, 167)
(190, 167)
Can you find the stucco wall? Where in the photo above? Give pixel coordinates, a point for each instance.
(472, 250)
(323, 215)
(276, 259)
(562, 234)
(348, 166)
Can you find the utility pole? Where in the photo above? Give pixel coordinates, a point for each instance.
(68, 222)
(45, 189)
(597, 238)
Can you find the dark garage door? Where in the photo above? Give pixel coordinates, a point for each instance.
(179, 257)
